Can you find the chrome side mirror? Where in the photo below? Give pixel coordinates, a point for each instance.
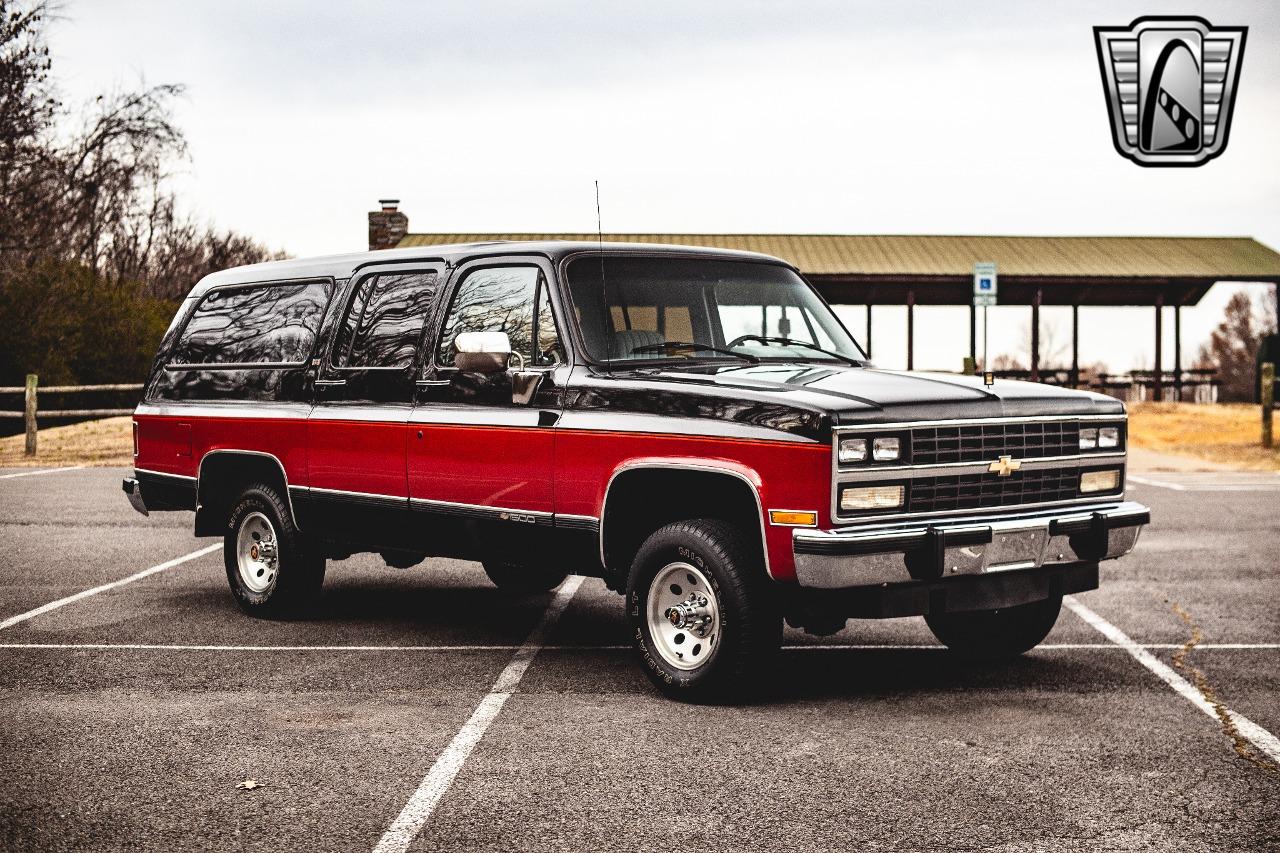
(482, 352)
(490, 353)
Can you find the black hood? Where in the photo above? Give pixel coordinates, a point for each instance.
(870, 395)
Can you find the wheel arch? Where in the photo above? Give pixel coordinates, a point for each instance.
(222, 472)
(676, 481)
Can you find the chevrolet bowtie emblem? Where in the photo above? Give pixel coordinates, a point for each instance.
(1004, 466)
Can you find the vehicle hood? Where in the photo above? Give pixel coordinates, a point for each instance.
(871, 395)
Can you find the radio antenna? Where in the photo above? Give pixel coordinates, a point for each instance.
(600, 236)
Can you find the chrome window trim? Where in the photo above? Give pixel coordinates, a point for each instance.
(288, 495)
(688, 466)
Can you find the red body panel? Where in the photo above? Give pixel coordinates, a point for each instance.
(165, 447)
(357, 456)
(491, 466)
(539, 469)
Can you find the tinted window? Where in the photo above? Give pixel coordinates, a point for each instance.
(276, 324)
(499, 299)
(628, 308)
(384, 322)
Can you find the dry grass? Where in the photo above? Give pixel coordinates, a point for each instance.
(1227, 433)
(102, 443)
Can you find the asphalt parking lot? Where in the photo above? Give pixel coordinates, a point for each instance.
(411, 712)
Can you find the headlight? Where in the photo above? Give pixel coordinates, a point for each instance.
(871, 497)
(853, 450)
(884, 449)
(1100, 481)
(1109, 437)
(1088, 439)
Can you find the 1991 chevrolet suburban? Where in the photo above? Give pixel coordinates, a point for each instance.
(695, 427)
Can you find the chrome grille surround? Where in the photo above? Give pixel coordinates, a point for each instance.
(1041, 479)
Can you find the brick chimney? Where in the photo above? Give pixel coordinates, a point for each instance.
(388, 225)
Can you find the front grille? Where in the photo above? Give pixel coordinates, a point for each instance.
(976, 491)
(984, 442)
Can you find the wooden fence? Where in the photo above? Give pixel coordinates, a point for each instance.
(30, 410)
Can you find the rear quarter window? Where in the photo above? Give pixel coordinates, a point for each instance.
(270, 324)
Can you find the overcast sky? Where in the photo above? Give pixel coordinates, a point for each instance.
(822, 117)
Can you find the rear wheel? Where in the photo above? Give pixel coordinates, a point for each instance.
(271, 568)
(993, 634)
(705, 621)
(514, 577)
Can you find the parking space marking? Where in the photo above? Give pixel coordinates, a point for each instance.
(507, 647)
(1205, 487)
(41, 471)
(1261, 739)
(415, 814)
(71, 599)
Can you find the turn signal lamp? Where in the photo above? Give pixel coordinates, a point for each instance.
(793, 518)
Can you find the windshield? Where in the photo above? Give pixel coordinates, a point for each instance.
(677, 308)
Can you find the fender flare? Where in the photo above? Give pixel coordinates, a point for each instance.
(721, 467)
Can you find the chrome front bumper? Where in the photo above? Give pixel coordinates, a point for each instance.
(979, 544)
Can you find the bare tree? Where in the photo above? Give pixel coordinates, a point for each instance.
(1232, 348)
(94, 249)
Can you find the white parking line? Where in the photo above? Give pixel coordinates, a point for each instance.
(507, 647)
(1205, 487)
(1261, 739)
(71, 599)
(41, 471)
(418, 810)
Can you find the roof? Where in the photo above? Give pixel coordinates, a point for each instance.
(454, 251)
(1211, 258)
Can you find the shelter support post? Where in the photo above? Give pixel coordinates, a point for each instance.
(1177, 353)
(1157, 377)
(911, 330)
(973, 332)
(1075, 346)
(868, 330)
(1035, 336)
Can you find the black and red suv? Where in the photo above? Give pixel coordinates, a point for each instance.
(694, 426)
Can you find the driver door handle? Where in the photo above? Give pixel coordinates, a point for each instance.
(330, 383)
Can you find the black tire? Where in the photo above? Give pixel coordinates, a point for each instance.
(750, 620)
(512, 577)
(298, 569)
(996, 634)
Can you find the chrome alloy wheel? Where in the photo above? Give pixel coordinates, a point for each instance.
(257, 554)
(683, 616)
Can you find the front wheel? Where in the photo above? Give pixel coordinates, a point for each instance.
(995, 634)
(271, 568)
(705, 621)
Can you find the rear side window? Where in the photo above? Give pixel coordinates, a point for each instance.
(272, 325)
(384, 321)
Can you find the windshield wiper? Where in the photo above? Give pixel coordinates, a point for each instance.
(790, 342)
(667, 346)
